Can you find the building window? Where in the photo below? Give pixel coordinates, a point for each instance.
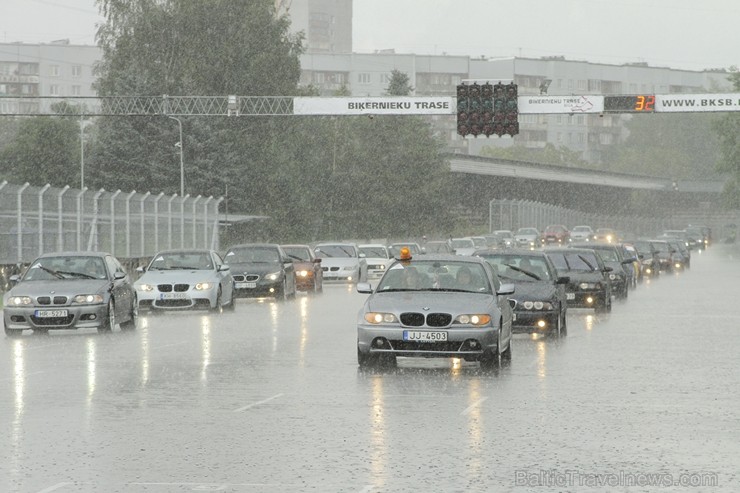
(605, 139)
(76, 70)
(54, 90)
(363, 78)
(76, 90)
(581, 85)
(54, 70)
(570, 83)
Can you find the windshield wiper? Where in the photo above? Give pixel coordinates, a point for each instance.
(76, 274)
(525, 272)
(54, 273)
(587, 262)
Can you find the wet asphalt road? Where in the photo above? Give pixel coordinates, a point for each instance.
(269, 398)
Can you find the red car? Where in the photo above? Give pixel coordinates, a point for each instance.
(308, 273)
(556, 234)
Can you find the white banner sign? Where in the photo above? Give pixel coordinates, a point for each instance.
(695, 103)
(375, 106)
(560, 104)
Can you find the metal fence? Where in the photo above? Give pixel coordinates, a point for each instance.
(514, 214)
(34, 220)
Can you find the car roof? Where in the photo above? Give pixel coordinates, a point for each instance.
(73, 254)
(254, 245)
(521, 252)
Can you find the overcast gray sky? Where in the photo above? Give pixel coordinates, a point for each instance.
(689, 34)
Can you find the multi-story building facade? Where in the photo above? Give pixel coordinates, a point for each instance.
(326, 24)
(55, 69)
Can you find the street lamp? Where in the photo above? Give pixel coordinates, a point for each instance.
(182, 167)
(83, 123)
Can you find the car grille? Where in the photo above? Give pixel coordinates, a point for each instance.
(439, 319)
(168, 288)
(333, 269)
(56, 321)
(46, 300)
(448, 346)
(246, 277)
(413, 319)
(172, 303)
(375, 267)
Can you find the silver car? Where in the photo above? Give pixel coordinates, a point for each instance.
(71, 290)
(436, 306)
(186, 279)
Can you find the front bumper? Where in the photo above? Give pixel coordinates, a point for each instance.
(534, 322)
(461, 342)
(341, 275)
(186, 300)
(585, 299)
(78, 317)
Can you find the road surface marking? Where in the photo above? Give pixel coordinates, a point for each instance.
(257, 403)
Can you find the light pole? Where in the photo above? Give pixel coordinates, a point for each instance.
(83, 124)
(182, 167)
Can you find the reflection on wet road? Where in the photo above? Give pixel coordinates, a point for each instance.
(270, 398)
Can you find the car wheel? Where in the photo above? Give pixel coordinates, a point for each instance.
(282, 292)
(232, 302)
(110, 321)
(489, 359)
(601, 305)
(564, 325)
(366, 360)
(506, 355)
(218, 307)
(133, 322)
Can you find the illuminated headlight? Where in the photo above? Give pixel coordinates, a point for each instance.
(19, 300)
(302, 273)
(380, 318)
(145, 287)
(272, 276)
(588, 285)
(204, 286)
(537, 305)
(473, 319)
(615, 277)
(88, 299)
(349, 267)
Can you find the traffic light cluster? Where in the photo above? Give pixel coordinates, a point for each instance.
(486, 109)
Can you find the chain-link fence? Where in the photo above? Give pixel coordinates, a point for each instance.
(34, 220)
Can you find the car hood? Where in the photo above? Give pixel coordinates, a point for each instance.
(579, 276)
(260, 268)
(340, 262)
(64, 287)
(176, 276)
(429, 302)
(533, 291)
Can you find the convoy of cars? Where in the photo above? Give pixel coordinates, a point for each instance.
(443, 298)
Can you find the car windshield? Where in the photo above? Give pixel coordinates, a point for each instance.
(298, 253)
(435, 276)
(661, 246)
(527, 231)
(395, 249)
(575, 261)
(58, 268)
(252, 255)
(374, 252)
(437, 247)
(462, 243)
(181, 261)
(519, 268)
(581, 229)
(335, 251)
(608, 254)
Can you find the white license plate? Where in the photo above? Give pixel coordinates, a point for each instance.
(570, 296)
(51, 313)
(173, 296)
(424, 336)
(245, 285)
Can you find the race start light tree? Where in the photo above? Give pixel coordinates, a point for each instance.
(486, 109)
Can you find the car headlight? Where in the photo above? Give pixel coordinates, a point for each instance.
(272, 276)
(537, 305)
(302, 273)
(145, 287)
(380, 318)
(19, 301)
(349, 267)
(589, 285)
(473, 319)
(203, 286)
(88, 299)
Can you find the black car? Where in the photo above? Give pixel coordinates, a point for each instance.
(665, 254)
(622, 273)
(588, 285)
(71, 290)
(540, 299)
(261, 270)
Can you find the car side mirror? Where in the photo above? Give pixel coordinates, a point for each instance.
(317, 260)
(118, 275)
(141, 269)
(224, 268)
(364, 288)
(627, 261)
(14, 279)
(362, 255)
(506, 289)
(641, 256)
(562, 280)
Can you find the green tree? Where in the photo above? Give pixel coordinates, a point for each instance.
(399, 84)
(727, 129)
(44, 150)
